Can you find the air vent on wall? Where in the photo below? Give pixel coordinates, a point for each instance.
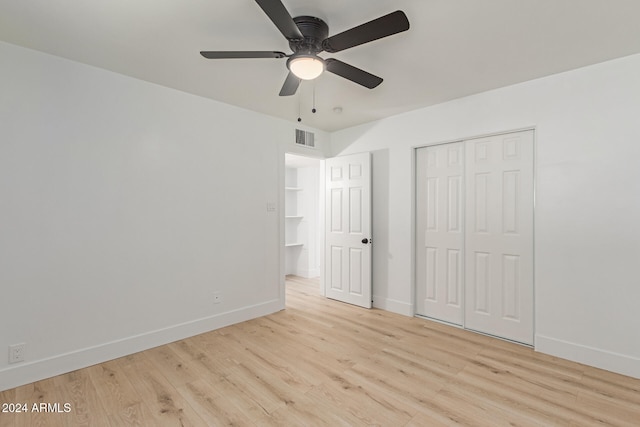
(305, 138)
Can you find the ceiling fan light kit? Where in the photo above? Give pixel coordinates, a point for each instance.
(306, 67)
(308, 36)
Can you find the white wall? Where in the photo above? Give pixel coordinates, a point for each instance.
(123, 206)
(587, 227)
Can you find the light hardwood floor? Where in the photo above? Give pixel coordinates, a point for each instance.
(321, 362)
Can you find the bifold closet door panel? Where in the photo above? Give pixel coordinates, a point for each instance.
(439, 240)
(499, 236)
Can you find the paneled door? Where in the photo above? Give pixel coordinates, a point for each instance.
(439, 237)
(348, 229)
(499, 236)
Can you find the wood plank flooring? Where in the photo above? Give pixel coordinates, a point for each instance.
(321, 362)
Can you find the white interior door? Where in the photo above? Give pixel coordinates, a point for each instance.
(499, 236)
(439, 232)
(348, 229)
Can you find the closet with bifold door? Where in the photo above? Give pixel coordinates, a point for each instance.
(474, 234)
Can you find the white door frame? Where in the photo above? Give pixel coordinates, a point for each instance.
(414, 219)
(302, 152)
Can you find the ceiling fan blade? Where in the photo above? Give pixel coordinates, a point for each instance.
(352, 73)
(387, 25)
(242, 54)
(290, 85)
(279, 14)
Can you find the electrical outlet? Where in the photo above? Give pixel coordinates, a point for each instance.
(217, 298)
(16, 353)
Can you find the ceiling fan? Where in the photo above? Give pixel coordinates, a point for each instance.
(308, 36)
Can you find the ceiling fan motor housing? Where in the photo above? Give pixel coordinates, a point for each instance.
(314, 30)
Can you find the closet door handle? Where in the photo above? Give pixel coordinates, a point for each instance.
(365, 240)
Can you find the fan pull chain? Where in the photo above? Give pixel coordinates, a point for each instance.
(299, 115)
(313, 110)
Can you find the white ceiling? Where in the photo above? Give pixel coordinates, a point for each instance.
(454, 48)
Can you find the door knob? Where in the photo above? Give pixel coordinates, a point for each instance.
(365, 240)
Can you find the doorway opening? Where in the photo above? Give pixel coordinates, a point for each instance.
(303, 220)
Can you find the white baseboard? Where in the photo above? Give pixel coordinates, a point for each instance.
(393, 306)
(313, 273)
(307, 274)
(26, 373)
(610, 361)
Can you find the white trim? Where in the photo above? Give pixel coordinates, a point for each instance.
(17, 375)
(413, 299)
(483, 135)
(313, 272)
(392, 305)
(614, 362)
(533, 231)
